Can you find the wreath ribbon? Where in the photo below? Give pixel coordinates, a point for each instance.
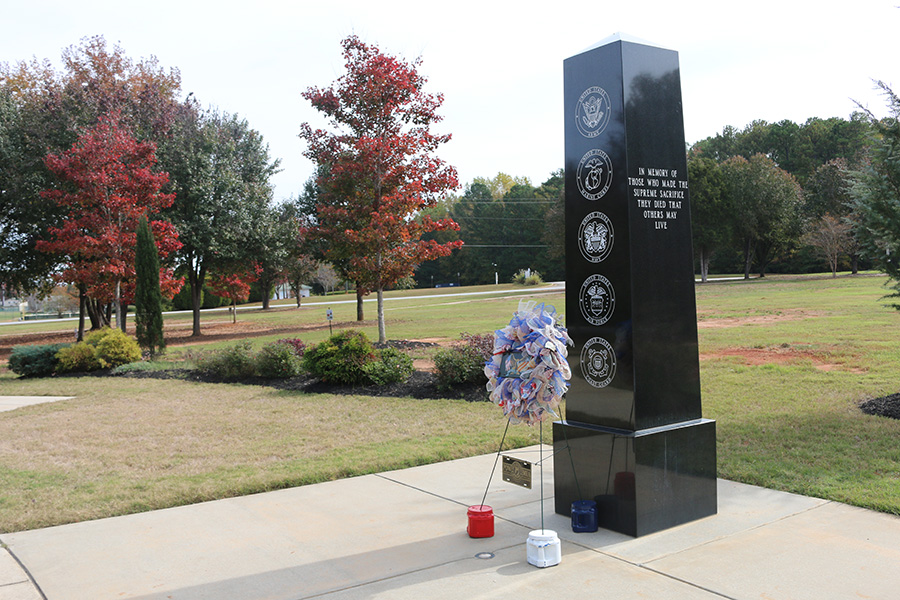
(528, 372)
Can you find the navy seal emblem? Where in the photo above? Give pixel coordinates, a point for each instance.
(595, 237)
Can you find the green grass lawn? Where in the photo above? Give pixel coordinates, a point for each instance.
(784, 363)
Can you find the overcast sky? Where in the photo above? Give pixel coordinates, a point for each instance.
(498, 64)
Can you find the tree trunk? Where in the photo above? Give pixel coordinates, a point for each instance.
(122, 315)
(195, 280)
(265, 285)
(97, 315)
(93, 314)
(82, 308)
(359, 303)
(748, 254)
(382, 334)
(704, 265)
(854, 263)
(120, 321)
(233, 312)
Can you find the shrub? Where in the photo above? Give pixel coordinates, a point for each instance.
(234, 362)
(392, 366)
(341, 358)
(114, 347)
(278, 360)
(136, 367)
(523, 277)
(80, 357)
(35, 361)
(297, 344)
(463, 363)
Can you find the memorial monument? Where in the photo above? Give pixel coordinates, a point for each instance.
(634, 438)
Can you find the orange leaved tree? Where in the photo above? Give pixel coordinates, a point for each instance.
(377, 171)
(107, 183)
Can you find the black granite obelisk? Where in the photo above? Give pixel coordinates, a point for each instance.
(634, 438)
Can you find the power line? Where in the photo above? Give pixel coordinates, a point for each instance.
(499, 202)
(499, 218)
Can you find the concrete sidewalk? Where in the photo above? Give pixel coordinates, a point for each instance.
(402, 535)
(14, 402)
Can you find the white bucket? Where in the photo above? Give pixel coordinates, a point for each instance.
(542, 548)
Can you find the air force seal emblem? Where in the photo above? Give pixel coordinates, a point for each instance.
(597, 299)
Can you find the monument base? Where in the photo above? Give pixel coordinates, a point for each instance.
(643, 481)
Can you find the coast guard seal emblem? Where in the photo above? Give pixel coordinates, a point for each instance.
(598, 362)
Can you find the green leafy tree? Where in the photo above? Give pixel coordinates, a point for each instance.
(220, 175)
(876, 195)
(299, 266)
(148, 320)
(764, 201)
(553, 191)
(710, 210)
(501, 183)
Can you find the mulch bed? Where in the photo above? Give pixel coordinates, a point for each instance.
(887, 406)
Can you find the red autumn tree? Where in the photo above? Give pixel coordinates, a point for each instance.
(234, 286)
(377, 169)
(108, 183)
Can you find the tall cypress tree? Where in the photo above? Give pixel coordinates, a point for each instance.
(147, 295)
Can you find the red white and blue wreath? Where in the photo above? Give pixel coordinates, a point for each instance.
(528, 373)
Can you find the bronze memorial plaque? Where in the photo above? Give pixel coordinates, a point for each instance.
(517, 472)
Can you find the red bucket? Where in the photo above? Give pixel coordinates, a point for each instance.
(481, 521)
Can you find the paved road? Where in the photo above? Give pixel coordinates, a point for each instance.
(547, 289)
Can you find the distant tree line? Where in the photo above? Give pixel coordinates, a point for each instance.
(506, 225)
(778, 197)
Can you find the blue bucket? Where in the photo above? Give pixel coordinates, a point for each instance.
(584, 516)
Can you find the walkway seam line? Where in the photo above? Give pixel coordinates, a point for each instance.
(28, 574)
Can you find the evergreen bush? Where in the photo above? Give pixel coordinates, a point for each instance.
(233, 362)
(278, 360)
(114, 347)
(463, 363)
(78, 358)
(36, 360)
(523, 277)
(341, 359)
(148, 319)
(392, 366)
